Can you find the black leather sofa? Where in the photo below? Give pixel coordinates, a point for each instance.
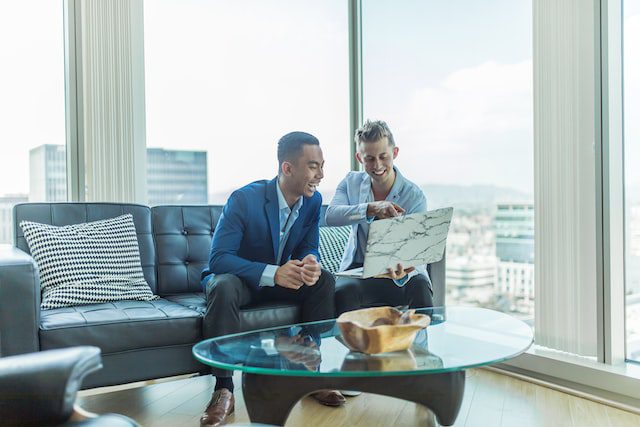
(139, 340)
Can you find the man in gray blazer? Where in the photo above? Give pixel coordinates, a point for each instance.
(362, 197)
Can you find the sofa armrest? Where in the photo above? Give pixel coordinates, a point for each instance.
(19, 302)
(438, 273)
(40, 388)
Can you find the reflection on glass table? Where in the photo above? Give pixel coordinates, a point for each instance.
(282, 365)
(418, 357)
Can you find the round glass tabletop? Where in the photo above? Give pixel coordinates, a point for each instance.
(458, 338)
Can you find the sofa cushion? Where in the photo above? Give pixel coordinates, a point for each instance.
(75, 213)
(257, 316)
(332, 243)
(121, 326)
(87, 263)
(192, 300)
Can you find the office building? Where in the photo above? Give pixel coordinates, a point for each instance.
(173, 176)
(6, 215)
(176, 177)
(514, 229)
(471, 279)
(47, 173)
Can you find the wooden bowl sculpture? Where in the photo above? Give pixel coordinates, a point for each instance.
(380, 329)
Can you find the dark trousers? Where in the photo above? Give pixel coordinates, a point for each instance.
(226, 293)
(352, 294)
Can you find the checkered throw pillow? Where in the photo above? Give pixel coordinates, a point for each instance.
(332, 243)
(87, 263)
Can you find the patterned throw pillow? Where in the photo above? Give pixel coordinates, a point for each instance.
(332, 243)
(87, 263)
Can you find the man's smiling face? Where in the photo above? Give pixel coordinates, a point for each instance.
(307, 171)
(377, 159)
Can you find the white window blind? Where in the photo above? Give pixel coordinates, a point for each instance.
(112, 107)
(564, 120)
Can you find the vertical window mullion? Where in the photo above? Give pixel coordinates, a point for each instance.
(355, 75)
(610, 188)
(73, 101)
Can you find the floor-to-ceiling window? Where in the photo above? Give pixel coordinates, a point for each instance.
(32, 108)
(631, 84)
(454, 82)
(226, 79)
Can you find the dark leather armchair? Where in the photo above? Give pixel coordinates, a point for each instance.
(40, 389)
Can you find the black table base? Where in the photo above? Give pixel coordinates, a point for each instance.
(270, 398)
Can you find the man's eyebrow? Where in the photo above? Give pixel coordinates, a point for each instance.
(313, 162)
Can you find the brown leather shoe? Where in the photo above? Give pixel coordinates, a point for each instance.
(221, 405)
(329, 397)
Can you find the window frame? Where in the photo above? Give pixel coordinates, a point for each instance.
(610, 186)
(609, 372)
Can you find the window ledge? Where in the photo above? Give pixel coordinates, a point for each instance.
(619, 384)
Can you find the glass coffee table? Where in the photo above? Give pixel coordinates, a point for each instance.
(282, 365)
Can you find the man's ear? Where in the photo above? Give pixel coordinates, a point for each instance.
(358, 157)
(285, 168)
(395, 152)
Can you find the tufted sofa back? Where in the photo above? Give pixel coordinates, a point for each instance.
(174, 240)
(183, 240)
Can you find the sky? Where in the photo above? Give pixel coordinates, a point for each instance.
(453, 80)
(423, 61)
(31, 86)
(233, 79)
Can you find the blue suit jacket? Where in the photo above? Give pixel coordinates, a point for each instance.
(246, 238)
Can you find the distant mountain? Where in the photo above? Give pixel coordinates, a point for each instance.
(472, 197)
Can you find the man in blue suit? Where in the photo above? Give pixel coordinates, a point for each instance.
(265, 248)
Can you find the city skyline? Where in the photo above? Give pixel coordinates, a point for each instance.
(173, 176)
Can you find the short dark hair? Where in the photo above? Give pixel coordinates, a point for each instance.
(290, 146)
(374, 131)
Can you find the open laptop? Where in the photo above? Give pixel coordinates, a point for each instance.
(411, 240)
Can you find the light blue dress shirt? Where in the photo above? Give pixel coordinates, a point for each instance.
(349, 207)
(287, 218)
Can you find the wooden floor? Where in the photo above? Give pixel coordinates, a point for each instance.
(490, 399)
